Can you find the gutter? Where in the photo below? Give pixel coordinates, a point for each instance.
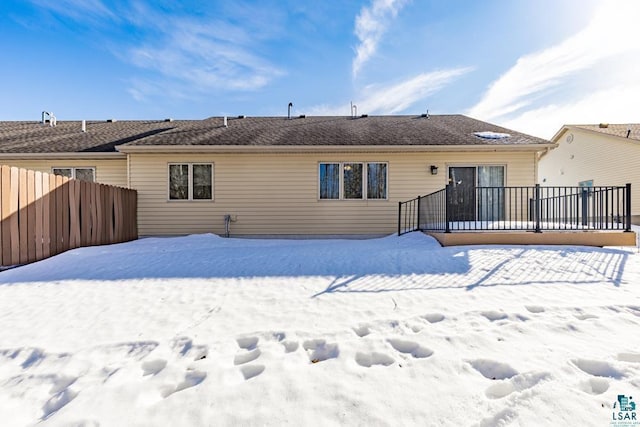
(172, 149)
(69, 155)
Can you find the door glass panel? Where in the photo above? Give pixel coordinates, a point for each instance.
(491, 193)
(462, 198)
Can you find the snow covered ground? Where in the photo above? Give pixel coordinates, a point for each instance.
(206, 331)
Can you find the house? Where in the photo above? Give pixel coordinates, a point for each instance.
(594, 155)
(277, 175)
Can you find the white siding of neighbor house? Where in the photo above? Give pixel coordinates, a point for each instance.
(111, 172)
(605, 159)
(277, 194)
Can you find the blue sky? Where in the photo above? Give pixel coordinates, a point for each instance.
(528, 65)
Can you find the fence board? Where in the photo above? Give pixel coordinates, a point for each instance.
(5, 214)
(85, 214)
(110, 214)
(46, 232)
(22, 216)
(39, 214)
(31, 215)
(66, 207)
(94, 215)
(14, 229)
(53, 224)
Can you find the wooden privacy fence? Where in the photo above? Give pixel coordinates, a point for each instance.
(42, 215)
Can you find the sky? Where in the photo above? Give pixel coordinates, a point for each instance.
(531, 66)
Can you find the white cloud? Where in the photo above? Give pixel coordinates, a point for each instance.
(397, 97)
(620, 106)
(192, 53)
(391, 99)
(609, 41)
(371, 23)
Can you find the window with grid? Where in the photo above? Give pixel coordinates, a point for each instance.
(352, 181)
(191, 181)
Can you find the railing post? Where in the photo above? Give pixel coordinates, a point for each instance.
(399, 216)
(538, 214)
(585, 206)
(447, 194)
(628, 207)
(418, 214)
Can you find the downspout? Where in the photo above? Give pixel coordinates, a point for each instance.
(128, 171)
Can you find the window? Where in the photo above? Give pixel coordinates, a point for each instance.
(83, 174)
(376, 180)
(190, 181)
(329, 180)
(352, 181)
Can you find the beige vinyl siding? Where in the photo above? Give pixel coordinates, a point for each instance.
(111, 172)
(277, 194)
(607, 160)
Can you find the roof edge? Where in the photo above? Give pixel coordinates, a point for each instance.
(64, 155)
(150, 149)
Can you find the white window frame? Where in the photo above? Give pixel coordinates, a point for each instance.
(190, 182)
(365, 195)
(73, 171)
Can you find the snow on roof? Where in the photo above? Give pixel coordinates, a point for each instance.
(491, 135)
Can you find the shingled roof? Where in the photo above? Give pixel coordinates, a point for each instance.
(414, 131)
(621, 130)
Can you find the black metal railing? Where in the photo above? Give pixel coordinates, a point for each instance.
(518, 208)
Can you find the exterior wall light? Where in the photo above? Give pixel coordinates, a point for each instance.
(434, 170)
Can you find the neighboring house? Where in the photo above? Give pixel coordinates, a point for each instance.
(274, 175)
(594, 155)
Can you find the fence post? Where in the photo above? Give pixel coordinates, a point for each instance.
(418, 214)
(447, 194)
(538, 213)
(628, 207)
(399, 216)
(585, 206)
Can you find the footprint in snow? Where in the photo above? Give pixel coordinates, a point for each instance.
(493, 370)
(191, 379)
(250, 371)
(433, 317)
(629, 357)
(57, 402)
(246, 357)
(247, 343)
(290, 346)
(598, 368)
(319, 350)
(585, 316)
(249, 352)
(516, 383)
(410, 347)
(494, 315)
(153, 367)
(368, 360)
(534, 308)
(594, 386)
(184, 347)
(362, 331)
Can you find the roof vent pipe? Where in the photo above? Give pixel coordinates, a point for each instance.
(289, 110)
(354, 110)
(628, 132)
(84, 126)
(224, 123)
(52, 120)
(48, 117)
